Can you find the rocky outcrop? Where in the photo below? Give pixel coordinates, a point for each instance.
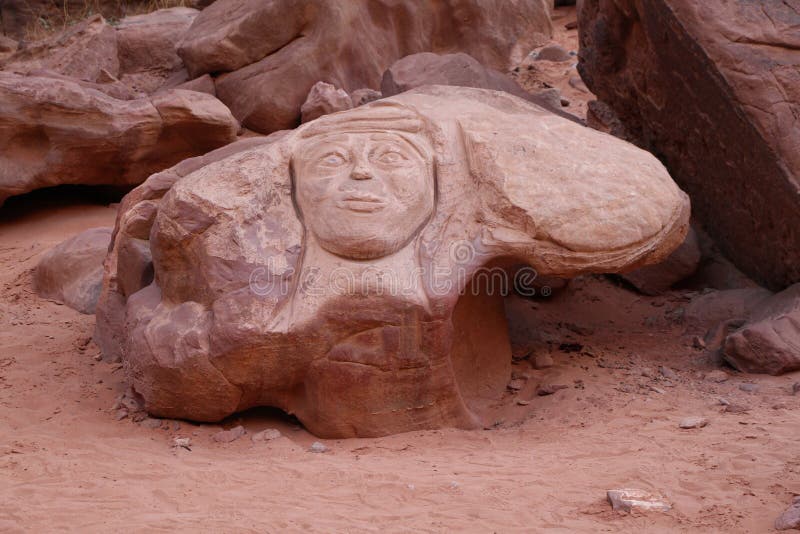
(56, 131)
(323, 99)
(147, 47)
(770, 341)
(334, 272)
(72, 272)
(712, 88)
(266, 56)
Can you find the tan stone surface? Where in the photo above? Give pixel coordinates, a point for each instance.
(347, 313)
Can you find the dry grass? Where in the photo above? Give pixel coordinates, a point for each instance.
(57, 16)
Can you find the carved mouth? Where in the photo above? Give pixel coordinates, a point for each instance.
(361, 202)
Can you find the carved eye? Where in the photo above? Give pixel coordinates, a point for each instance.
(333, 159)
(391, 157)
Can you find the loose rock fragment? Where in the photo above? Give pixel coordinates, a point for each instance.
(182, 442)
(627, 499)
(717, 376)
(318, 447)
(227, 436)
(693, 422)
(266, 435)
(549, 389)
(790, 519)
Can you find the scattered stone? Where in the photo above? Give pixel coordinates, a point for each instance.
(648, 372)
(150, 422)
(750, 388)
(717, 375)
(549, 389)
(668, 373)
(516, 384)
(553, 52)
(523, 402)
(227, 436)
(627, 499)
(318, 447)
(693, 422)
(571, 25)
(121, 414)
(736, 408)
(790, 519)
(795, 388)
(542, 361)
(185, 443)
(266, 435)
(323, 99)
(176, 425)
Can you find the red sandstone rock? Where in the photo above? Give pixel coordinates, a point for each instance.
(713, 88)
(323, 99)
(72, 272)
(682, 263)
(270, 54)
(55, 131)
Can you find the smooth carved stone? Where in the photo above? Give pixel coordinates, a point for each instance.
(55, 131)
(347, 272)
(713, 87)
(268, 55)
(72, 272)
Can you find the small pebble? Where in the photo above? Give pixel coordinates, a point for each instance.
(668, 373)
(227, 436)
(182, 442)
(627, 499)
(718, 376)
(790, 519)
(318, 447)
(543, 361)
(266, 435)
(750, 388)
(516, 384)
(693, 422)
(549, 389)
(150, 422)
(796, 388)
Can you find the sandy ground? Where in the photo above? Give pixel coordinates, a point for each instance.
(66, 463)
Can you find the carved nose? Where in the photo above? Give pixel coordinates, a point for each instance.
(361, 172)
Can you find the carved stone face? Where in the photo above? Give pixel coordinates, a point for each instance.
(364, 195)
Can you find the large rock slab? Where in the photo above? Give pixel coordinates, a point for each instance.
(72, 272)
(343, 271)
(713, 88)
(272, 53)
(770, 341)
(56, 131)
(147, 46)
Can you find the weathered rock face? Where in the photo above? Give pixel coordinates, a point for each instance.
(335, 273)
(83, 51)
(770, 341)
(72, 272)
(55, 131)
(270, 54)
(147, 46)
(324, 99)
(714, 89)
(682, 263)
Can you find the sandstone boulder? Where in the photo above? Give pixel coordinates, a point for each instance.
(84, 51)
(269, 54)
(323, 99)
(55, 131)
(364, 96)
(770, 341)
(340, 271)
(72, 272)
(147, 46)
(713, 88)
(682, 263)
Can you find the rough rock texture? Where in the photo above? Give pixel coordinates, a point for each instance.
(272, 53)
(129, 265)
(364, 96)
(203, 84)
(72, 272)
(790, 519)
(427, 68)
(770, 341)
(323, 99)
(713, 88)
(147, 46)
(55, 131)
(321, 273)
(728, 305)
(682, 263)
(84, 51)
(7, 47)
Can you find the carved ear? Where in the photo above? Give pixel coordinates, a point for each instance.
(564, 197)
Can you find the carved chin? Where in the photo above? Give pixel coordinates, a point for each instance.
(362, 247)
